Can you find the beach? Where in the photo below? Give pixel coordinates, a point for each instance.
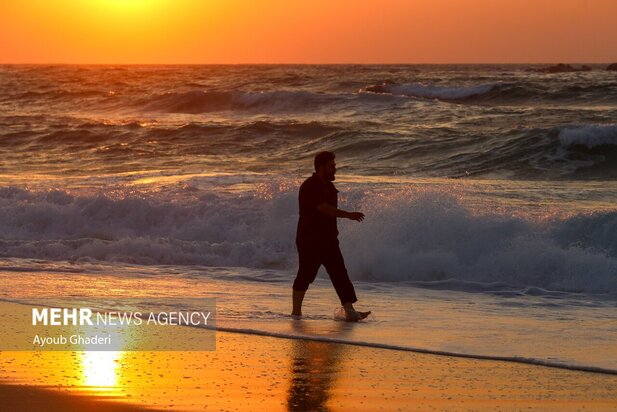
(487, 254)
(247, 372)
(308, 205)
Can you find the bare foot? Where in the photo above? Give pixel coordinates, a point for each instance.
(356, 316)
(296, 316)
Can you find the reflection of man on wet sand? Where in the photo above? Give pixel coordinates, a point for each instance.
(317, 237)
(314, 368)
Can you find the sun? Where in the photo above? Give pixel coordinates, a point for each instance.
(132, 7)
(121, 24)
(139, 12)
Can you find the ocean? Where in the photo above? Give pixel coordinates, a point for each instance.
(489, 193)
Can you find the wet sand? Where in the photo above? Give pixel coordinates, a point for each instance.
(34, 398)
(248, 372)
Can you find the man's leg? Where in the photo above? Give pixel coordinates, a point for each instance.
(308, 266)
(297, 298)
(335, 265)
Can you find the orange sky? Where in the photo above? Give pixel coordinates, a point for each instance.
(307, 31)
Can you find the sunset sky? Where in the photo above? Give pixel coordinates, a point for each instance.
(308, 31)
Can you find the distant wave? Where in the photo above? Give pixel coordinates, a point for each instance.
(518, 92)
(576, 151)
(407, 236)
(590, 150)
(590, 136)
(384, 120)
(60, 94)
(444, 93)
(432, 91)
(198, 101)
(134, 137)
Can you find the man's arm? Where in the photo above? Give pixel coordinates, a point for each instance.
(329, 210)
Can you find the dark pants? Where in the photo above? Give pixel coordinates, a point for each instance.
(312, 256)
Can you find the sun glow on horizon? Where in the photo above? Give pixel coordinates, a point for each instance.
(316, 31)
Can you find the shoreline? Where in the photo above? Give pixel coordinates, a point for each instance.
(315, 336)
(249, 371)
(246, 372)
(385, 346)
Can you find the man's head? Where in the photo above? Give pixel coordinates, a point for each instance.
(325, 167)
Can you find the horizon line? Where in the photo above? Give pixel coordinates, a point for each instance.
(295, 64)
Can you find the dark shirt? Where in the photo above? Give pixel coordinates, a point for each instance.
(314, 226)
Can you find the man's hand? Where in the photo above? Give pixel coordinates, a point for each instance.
(357, 216)
(326, 209)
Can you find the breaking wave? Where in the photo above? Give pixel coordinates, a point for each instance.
(407, 236)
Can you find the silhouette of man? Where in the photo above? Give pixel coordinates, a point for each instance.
(317, 237)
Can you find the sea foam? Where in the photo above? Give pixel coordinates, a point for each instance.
(429, 236)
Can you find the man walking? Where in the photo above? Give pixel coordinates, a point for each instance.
(317, 237)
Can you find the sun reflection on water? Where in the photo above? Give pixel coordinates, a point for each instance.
(100, 369)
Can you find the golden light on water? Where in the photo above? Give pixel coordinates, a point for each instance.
(100, 369)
